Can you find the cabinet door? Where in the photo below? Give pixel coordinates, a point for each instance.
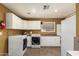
(55, 41)
(34, 25)
(28, 41)
(13, 22)
(21, 24)
(9, 20)
(50, 41)
(44, 41)
(16, 22)
(25, 24)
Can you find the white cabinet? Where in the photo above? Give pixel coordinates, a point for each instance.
(13, 22)
(28, 41)
(33, 25)
(50, 41)
(68, 33)
(58, 29)
(25, 25)
(15, 45)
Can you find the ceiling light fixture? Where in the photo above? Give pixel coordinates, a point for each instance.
(55, 10)
(33, 10)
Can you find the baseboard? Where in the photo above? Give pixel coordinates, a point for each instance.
(50, 47)
(3, 54)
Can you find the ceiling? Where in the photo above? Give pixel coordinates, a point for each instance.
(36, 10)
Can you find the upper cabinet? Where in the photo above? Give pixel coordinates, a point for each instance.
(34, 25)
(14, 22)
(31, 25)
(25, 25)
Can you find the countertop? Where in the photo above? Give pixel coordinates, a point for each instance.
(73, 53)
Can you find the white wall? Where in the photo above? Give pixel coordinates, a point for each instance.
(68, 29)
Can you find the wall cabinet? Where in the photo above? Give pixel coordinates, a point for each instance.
(33, 25)
(13, 22)
(50, 41)
(24, 24)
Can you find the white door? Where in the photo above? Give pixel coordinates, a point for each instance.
(68, 29)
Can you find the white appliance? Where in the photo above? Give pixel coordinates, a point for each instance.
(35, 41)
(16, 45)
(68, 32)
